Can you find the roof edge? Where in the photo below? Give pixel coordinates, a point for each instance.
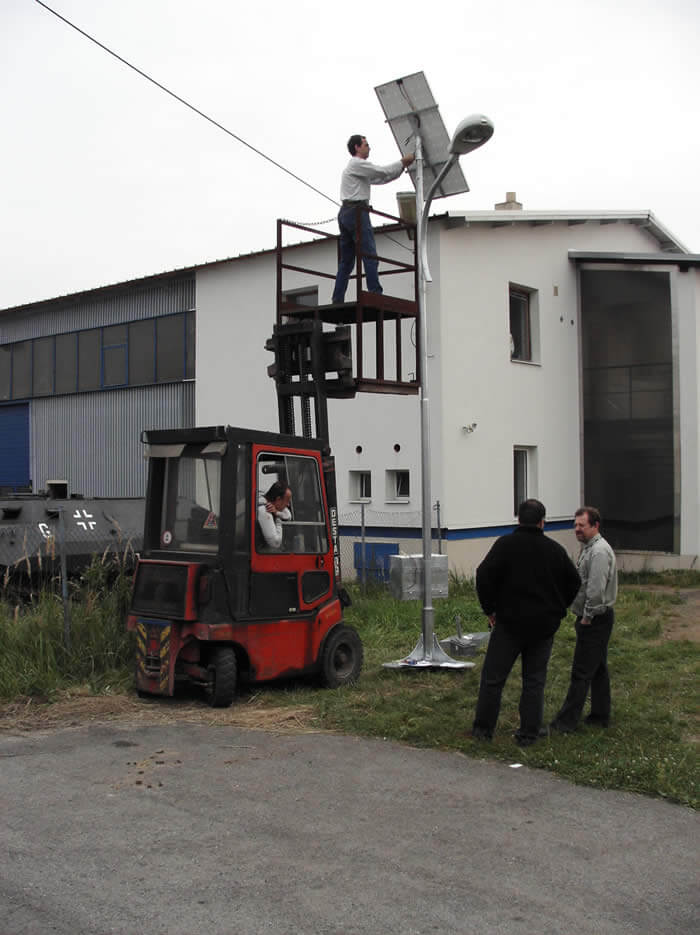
(640, 218)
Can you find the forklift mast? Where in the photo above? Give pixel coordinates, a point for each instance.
(304, 356)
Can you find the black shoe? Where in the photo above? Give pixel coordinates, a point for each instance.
(480, 733)
(595, 720)
(526, 740)
(561, 728)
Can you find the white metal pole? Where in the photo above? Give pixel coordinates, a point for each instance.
(428, 614)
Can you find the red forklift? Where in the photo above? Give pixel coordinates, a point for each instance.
(212, 601)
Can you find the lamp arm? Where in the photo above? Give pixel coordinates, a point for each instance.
(426, 208)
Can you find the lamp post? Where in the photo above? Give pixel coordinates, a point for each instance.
(471, 133)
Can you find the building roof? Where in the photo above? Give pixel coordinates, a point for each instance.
(505, 218)
(493, 218)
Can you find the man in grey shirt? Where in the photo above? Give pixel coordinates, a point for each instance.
(593, 606)
(358, 177)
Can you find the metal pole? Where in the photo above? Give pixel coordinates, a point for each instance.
(427, 653)
(428, 614)
(439, 529)
(363, 566)
(64, 578)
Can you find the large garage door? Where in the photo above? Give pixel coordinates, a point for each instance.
(14, 445)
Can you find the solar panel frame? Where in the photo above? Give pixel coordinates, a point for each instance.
(410, 109)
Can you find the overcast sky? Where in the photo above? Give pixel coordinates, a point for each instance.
(105, 178)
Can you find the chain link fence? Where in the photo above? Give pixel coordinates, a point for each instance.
(369, 537)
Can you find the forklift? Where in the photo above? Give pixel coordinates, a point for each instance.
(213, 603)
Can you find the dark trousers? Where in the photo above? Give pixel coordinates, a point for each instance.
(504, 647)
(589, 670)
(348, 228)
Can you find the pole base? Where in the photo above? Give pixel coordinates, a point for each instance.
(419, 659)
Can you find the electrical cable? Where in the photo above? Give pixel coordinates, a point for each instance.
(186, 103)
(201, 113)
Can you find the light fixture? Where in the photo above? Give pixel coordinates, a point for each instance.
(471, 133)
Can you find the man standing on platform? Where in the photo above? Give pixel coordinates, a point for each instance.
(524, 586)
(358, 176)
(593, 606)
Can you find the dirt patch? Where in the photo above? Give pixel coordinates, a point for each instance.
(683, 620)
(75, 710)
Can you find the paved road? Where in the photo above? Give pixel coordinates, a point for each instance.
(119, 828)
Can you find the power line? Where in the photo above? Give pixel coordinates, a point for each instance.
(200, 113)
(181, 100)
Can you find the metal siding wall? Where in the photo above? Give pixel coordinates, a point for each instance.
(92, 439)
(92, 311)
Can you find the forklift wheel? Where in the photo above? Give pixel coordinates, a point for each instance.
(221, 681)
(341, 657)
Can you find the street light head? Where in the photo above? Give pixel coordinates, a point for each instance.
(471, 133)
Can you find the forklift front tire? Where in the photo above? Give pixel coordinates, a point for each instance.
(341, 657)
(221, 681)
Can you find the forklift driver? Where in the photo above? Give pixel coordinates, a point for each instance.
(273, 508)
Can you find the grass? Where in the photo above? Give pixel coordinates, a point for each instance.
(34, 660)
(649, 748)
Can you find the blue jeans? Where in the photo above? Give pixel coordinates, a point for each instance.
(348, 250)
(505, 645)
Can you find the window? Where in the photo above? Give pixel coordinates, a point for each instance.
(170, 348)
(66, 363)
(43, 367)
(304, 532)
(22, 370)
(89, 359)
(360, 485)
(114, 344)
(190, 335)
(189, 520)
(524, 475)
(142, 352)
(523, 323)
(397, 485)
(300, 298)
(153, 350)
(5, 370)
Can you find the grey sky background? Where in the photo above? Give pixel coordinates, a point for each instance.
(105, 178)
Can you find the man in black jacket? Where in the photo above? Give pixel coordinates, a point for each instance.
(524, 585)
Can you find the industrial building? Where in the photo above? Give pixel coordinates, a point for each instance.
(563, 354)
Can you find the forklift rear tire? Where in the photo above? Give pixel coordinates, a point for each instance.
(221, 683)
(341, 657)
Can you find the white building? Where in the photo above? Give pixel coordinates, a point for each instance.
(563, 351)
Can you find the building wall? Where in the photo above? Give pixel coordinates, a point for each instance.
(685, 298)
(472, 378)
(466, 554)
(92, 440)
(513, 403)
(235, 317)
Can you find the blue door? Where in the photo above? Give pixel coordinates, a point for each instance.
(14, 447)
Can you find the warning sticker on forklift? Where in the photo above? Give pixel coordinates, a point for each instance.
(167, 537)
(211, 522)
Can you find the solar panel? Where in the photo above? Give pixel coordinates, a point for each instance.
(410, 109)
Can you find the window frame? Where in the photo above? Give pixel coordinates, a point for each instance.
(528, 297)
(526, 455)
(393, 479)
(358, 480)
